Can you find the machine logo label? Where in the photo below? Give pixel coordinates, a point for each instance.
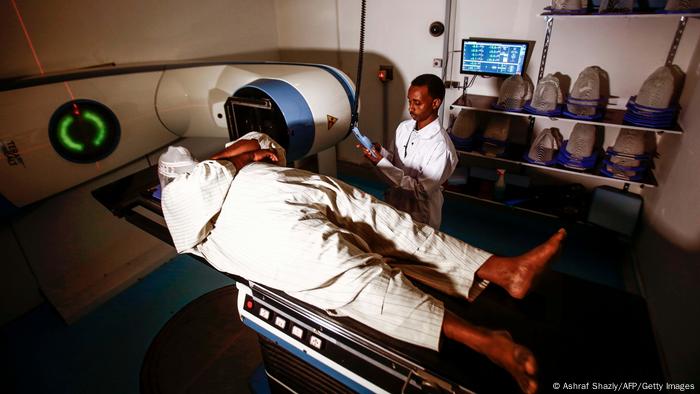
(331, 121)
(9, 149)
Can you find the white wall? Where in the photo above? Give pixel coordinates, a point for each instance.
(81, 33)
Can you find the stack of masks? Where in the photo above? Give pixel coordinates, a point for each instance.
(547, 99)
(631, 156)
(682, 6)
(514, 93)
(656, 103)
(585, 101)
(616, 6)
(545, 147)
(462, 133)
(494, 140)
(578, 152)
(568, 7)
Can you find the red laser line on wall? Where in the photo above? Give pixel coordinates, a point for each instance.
(26, 35)
(31, 47)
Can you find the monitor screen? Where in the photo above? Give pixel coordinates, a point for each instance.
(500, 58)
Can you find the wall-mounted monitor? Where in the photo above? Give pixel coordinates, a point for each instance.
(493, 57)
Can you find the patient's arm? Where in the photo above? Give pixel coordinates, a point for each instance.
(498, 346)
(243, 159)
(237, 148)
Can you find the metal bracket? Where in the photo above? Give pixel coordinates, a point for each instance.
(549, 21)
(676, 40)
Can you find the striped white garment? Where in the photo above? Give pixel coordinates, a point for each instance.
(338, 248)
(332, 246)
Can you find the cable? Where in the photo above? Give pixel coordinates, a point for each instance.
(355, 115)
(467, 84)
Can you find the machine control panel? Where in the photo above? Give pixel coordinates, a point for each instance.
(283, 324)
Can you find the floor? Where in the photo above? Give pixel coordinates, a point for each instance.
(103, 352)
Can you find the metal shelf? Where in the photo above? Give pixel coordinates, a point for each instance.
(622, 15)
(651, 182)
(613, 117)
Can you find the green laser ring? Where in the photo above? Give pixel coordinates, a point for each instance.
(69, 143)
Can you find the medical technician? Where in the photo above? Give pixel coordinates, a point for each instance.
(422, 156)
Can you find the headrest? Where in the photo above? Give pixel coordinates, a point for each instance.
(661, 87)
(547, 94)
(616, 6)
(585, 96)
(465, 124)
(569, 5)
(582, 140)
(514, 92)
(495, 135)
(545, 147)
(682, 5)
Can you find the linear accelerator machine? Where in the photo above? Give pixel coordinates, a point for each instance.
(117, 118)
(101, 120)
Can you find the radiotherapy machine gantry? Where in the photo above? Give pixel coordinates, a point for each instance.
(84, 124)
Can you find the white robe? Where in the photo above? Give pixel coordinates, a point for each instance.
(325, 243)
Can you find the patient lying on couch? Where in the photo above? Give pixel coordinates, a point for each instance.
(341, 250)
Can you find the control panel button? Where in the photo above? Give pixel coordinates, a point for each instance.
(298, 332)
(316, 342)
(280, 322)
(264, 313)
(248, 303)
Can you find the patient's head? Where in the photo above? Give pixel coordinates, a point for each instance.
(175, 161)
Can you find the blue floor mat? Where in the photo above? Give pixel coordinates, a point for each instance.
(102, 352)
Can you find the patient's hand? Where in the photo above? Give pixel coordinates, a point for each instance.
(244, 159)
(238, 148)
(265, 155)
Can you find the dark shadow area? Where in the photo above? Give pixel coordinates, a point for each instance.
(669, 280)
(204, 348)
(564, 83)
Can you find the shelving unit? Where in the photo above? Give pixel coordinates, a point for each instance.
(651, 182)
(613, 117)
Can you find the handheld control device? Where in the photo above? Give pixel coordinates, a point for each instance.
(364, 140)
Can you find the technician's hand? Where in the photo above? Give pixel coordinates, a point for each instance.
(376, 148)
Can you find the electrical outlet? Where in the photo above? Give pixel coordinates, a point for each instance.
(437, 62)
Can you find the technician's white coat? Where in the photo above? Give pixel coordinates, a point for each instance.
(419, 162)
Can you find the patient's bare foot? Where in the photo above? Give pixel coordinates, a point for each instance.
(514, 358)
(517, 274)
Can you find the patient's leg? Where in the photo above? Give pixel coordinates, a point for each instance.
(430, 256)
(517, 274)
(498, 346)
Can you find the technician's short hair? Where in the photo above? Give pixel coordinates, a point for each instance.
(435, 86)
